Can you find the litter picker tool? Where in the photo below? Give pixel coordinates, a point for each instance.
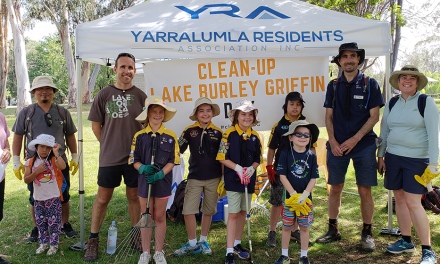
(248, 222)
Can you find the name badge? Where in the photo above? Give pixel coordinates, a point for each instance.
(358, 97)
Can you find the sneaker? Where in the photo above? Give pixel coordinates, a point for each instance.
(68, 230)
(33, 237)
(283, 260)
(136, 242)
(41, 249)
(206, 249)
(91, 254)
(331, 235)
(428, 257)
(144, 258)
(304, 260)
(241, 252)
(2, 261)
(296, 236)
(367, 241)
(271, 239)
(52, 250)
(159, 258)
(401, 246)
(229, 259)
(187, 248)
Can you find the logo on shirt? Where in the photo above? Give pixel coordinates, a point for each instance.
(170, 140)
(285, 127)
(193, 133)
(117, 107)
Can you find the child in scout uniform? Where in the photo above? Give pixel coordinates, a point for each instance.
(298, 170)
(293, 107)
(203, 140)
(240, 153)
(165, 148)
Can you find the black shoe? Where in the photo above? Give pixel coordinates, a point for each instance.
(2, 261)
(68, 230)
(229, 259)
(34, 236)
(296, 236)
(331, 235)
(271, 239)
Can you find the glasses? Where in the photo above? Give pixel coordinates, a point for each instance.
(301, 135)
(48, 119)
(125, 54)
(410, 69)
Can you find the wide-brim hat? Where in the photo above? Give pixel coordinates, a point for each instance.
(43, 81)
(408, 69)
(199, 102)
(245, 106)
(349, 46)
(156, 100)
(42, 139)
(314, 130)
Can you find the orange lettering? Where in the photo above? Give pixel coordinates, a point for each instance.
(202, 76)
(186, 93)
(303, 84)
(279, 86)
(269, 89)
(253, 86)
(223, 87)
(230, 90)
(241, 88)
(203, 90)
(221, 69)
(166, 95)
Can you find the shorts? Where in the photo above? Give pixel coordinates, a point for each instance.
(160, 189)
(111, 176)
(400, 173)
(66, 195)
(289, 217)
(364, 163)
(276, 193)
(192, 196)
(237, 201)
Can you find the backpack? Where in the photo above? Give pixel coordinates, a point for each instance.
(431, 201)
(421, 103)
(175, 211)
(366, 89)
(28, 120)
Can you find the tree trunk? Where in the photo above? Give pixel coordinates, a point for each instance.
(85, 73)
(21, 70)
(4, 53)
(396, 43)
(93, 78)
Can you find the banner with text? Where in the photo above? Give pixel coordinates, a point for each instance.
(264, 81)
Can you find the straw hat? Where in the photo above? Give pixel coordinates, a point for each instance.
(156, 100)
(199, 102)
(353, 46)
(314, 130)
(245, 106)
(408, 69)
(42, 139)
(43, 81)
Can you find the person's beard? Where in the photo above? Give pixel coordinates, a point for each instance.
(45, 101)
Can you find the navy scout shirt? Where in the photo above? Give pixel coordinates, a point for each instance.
(231, 149)
(349, 119)
(202, 160)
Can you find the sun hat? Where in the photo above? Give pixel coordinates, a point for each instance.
(156, 100)
(314, 130)
(353, 46)
(245, 106)
(408, 69)
(199, 102)
(42, 139)
(43, 81)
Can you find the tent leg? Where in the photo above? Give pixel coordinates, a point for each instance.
(390, 230)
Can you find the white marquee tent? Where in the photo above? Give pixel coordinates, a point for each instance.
(190, 29)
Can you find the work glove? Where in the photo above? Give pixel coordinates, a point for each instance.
(152, 178)
(271, 174)
(302, 198)
(292, 201)
(430, 173)
(221, 188)
(249, 172)
(73, 165)
(148, 169)
(18, 167)
(240, 173)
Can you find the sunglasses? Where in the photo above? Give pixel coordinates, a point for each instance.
(48, 119)
(125, 54)
(301, 135)
(409, 69)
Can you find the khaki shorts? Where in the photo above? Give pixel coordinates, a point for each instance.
(193, 191)
(237, 201)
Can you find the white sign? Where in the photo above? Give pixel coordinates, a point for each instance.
(265, 81)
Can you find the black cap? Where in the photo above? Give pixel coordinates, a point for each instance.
(293, 96)
(353, 46)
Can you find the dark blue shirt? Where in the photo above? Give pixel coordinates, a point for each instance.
(349, 118)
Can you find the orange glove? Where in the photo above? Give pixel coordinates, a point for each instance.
(271, 173)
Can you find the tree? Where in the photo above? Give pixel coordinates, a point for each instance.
(4, 52)
(21, 73)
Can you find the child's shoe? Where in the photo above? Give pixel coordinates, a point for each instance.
(229, 259)
(206, 249)
(283, 260)
(52, 250)
(144, 258)
(41, 248)
(241, 252)
(304, 260)
(159, 258)
(186, 249)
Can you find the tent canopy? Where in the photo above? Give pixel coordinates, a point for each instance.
(160, 29)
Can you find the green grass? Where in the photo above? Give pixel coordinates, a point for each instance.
(17, 223)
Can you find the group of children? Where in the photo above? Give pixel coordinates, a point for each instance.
(231, 157)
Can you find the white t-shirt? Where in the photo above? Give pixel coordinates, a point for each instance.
(45, 185)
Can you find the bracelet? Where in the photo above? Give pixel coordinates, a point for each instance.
(57, 156)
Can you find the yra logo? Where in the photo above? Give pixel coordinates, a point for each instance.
(268, 13)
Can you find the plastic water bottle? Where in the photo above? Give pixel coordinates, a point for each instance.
(112, 237)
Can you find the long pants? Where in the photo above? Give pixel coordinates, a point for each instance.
(48, 216)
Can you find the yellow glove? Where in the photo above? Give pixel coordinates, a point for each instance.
(221, 189)
(293, 200)
(427, 176)
(73, 165)
(17, 167)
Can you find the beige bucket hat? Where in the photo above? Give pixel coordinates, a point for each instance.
(408, 69)
(43, 81)
(245, 106)
(199, 102)
(42, 139)
(314, 130)
(156, 100)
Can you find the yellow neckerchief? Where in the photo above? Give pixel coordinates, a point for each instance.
(160, 131)
(240, 132)
(288, 119)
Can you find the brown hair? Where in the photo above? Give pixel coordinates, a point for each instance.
(237, 112)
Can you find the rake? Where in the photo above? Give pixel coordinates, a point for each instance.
(257, 208)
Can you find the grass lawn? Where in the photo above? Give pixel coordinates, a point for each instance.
(17, 223)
